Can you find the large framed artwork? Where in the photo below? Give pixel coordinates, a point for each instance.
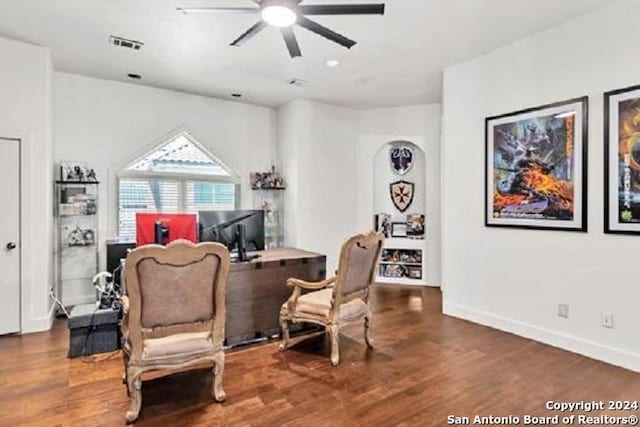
(622, 161)
(536, 167)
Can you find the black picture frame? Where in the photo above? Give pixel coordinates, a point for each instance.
(612, 147)
(580, 221)
(399, 229)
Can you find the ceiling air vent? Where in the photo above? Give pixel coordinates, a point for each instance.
(298, 82)
(126, 43)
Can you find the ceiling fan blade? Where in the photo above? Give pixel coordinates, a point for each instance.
(325, 32)
(255, 29)
(291, 42)
(187, 10)
(342, 9)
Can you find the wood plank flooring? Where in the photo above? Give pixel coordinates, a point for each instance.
(425, 367)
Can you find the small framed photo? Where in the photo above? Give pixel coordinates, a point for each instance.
(399, 229)
(415, 226)
(382, 224)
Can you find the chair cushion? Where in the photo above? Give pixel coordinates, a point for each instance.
(178, 344)
(319, 303)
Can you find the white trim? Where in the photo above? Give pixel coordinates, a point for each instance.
(121, 166)
(594, 350)
(39, 324)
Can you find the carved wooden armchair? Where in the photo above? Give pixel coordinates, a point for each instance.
(174, 312)
(346, 301)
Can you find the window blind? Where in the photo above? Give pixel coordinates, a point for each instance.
(202, 196)
(167, 196)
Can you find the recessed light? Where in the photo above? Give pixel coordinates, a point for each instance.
(236, 95)
(332, 63)
(134, 76)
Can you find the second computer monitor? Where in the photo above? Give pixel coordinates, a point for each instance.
(222, 226)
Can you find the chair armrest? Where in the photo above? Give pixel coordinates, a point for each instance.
(310, 285)
(124, 300)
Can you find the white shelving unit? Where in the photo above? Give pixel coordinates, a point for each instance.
(403, 256)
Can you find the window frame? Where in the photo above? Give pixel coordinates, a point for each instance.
(181, 177)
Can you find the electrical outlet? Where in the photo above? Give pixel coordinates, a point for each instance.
(607, 320)
(563, 310)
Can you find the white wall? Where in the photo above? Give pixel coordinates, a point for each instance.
(317, 156)
(419, 124)
(514, 279)
(107, 123)
(25, 113)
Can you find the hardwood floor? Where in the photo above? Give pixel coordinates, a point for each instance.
(425, 367)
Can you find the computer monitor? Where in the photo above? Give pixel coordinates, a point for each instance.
(239, 231)
(163, 228)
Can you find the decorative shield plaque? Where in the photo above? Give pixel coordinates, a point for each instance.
(401, 194)
(402, 159)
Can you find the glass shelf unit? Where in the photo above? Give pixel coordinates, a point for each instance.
(76, 212)
(271, 201)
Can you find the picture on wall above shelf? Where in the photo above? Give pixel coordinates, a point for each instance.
(382, 224)
(76, 172)
(267, 180)
(415, 226)
(399, 229)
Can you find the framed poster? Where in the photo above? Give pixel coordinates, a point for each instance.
(622, 161)
(536, 167)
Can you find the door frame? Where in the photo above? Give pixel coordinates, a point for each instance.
(18, 140)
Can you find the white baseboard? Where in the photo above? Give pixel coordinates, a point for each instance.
(594, 350)
(40, 324)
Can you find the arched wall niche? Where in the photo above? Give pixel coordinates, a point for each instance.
(384, 176)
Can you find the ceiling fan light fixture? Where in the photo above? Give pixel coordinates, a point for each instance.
(279, 13)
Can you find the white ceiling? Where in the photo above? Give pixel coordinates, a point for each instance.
(398, 60)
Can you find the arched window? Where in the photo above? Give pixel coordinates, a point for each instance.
(176, 176)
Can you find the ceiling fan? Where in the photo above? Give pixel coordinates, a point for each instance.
(286, 13)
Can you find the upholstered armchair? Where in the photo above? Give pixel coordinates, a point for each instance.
(340, 299)
(174, 312)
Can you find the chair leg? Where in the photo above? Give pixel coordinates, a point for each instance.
(284, 325)
(334, 332)
(125, 362)
(134, 387)
(218, 371)
(367, 331)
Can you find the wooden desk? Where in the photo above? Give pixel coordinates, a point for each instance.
(256, 290)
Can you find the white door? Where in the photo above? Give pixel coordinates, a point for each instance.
(10, 236)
